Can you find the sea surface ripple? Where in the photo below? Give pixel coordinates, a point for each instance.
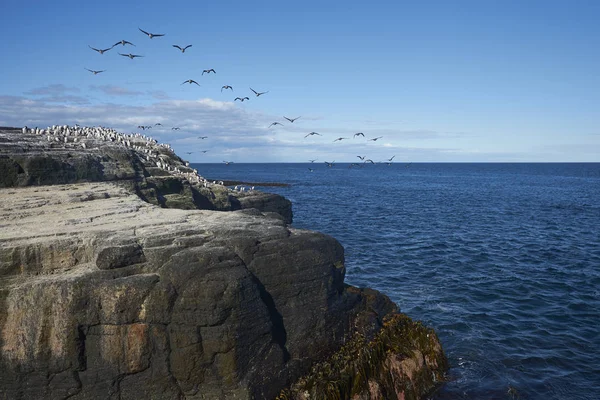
(502, 260)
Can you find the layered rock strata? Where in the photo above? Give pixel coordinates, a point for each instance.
(106, 295)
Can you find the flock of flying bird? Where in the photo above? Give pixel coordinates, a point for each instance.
(225, 87)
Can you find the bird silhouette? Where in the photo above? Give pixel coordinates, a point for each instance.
(291, 119)
(258, 93)
(241, 99)
(95, 72)
(175, 128)
(190, 81)
(202, 137)
(312, 133)
(101, 51)
(183, 49)
(312, 161)
(359, 134)
(226, 87)
(275, 123)
(340, 139)
(375, 139)
(132, 56)
(390, 159)
(208, 71)
(330, 164)
(151, 35)
(362, 158)
(123, 43)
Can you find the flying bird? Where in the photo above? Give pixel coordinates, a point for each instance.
(132, 56)
(202, 137)
(151, 35)
(241, 99)
(312, 161)
(330, 164)
(359, 134)
(183, 49)
(228, 162)
(190, 81)
(362, 158)
(311, 170)
(369, 160)
(275, 123)
(340, 139)
(375, 139)
(158, 124)
(226, 87)
(390, 159)
(175, 128)
(291, 119)
(95, 72)
(188, 152)
(313, 133)
(123, 43)
(258, 93)
(208, 71)
(203, 151)
(101, 51)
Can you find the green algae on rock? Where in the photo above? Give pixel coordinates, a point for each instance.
(404, 361)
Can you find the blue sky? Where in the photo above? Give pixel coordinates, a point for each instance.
(439, 81)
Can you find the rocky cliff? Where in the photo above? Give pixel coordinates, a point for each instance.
(120, 279)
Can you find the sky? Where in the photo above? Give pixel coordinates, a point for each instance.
(435, 81)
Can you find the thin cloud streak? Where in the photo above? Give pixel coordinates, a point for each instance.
(232, 131)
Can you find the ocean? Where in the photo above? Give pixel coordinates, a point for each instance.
(502, 260)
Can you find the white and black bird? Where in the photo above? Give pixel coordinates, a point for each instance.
(258, 93)
(101, 51)
(226, 87)
(190, 81)
(291, 119)
(131, 56)
(310, 170)
(95, 72)
(123, 43)
(312, 133)
(228, 162)
(151, 35)
(208, 71)
(242, 99)
(183, 49)
(330, 164)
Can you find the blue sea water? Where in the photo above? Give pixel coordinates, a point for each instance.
(502, 260)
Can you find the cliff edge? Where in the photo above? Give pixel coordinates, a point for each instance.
(120, 279)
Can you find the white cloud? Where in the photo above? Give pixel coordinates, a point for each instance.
(56, 89)
(113, 90)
